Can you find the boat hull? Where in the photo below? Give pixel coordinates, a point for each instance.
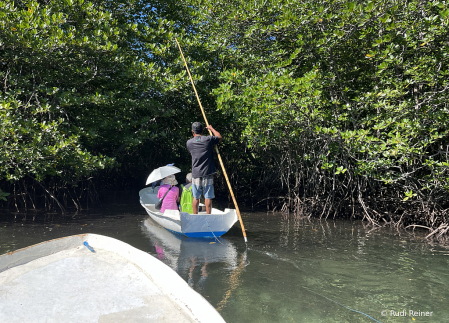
(200, 225)
(63, 280)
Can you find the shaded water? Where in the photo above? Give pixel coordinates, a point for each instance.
(291, 270)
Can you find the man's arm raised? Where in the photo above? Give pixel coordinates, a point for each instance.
(214, 132)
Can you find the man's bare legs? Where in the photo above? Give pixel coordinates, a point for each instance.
(208, 204)
(196, 203)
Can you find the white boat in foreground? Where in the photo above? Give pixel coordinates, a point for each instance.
(200, 225)
(93, 278)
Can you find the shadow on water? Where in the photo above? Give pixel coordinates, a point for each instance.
(291, 270)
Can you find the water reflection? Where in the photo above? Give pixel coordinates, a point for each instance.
(336, 271)
(190, 257)
(234, 281)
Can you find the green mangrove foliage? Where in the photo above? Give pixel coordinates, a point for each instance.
(81, 84)
(327, 107)
(344, 104)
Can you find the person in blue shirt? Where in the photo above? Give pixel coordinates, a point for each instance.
(203, 165)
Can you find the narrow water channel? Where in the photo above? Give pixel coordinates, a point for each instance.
(291, 270)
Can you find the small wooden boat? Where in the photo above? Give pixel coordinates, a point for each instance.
(200, 225)
(93, 278)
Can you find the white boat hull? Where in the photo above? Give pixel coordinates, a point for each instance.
(61, 280)
(200, 225)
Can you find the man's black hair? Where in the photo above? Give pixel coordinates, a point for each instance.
(197, 128)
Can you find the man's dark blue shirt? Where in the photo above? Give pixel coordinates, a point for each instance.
(201, 149)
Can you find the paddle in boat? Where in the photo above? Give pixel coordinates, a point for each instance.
(93, 278)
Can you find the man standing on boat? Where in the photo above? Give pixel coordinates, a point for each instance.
(203, 165)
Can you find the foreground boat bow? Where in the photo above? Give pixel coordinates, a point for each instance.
(65, 280)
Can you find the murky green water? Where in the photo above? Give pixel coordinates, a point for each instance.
(291, 270)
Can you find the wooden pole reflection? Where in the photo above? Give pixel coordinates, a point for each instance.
(234, 282)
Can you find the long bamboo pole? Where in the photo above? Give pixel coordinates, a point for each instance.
(216, 148)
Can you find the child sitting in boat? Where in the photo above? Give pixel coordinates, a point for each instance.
(170, 201)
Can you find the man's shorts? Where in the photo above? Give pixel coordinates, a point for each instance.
(203, 185)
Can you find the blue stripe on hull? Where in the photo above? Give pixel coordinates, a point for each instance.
(207, 234)
(204, 234)
(175, 232)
